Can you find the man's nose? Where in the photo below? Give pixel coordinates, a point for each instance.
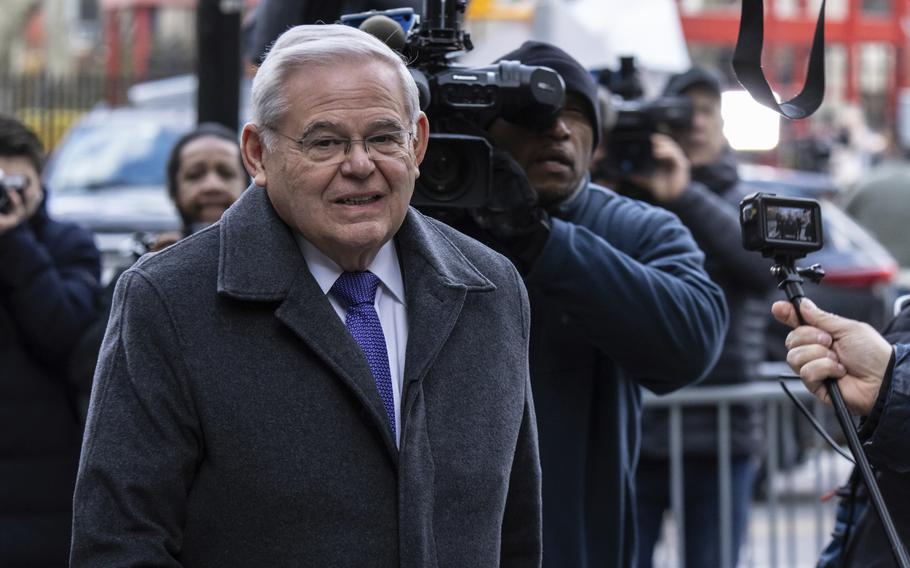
(559, 129)
(357, 161)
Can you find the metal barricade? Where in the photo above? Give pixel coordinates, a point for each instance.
(781, 510)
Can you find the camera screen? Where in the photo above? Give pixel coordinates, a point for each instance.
(790, 223)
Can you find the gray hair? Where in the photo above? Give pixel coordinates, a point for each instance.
(318, 45)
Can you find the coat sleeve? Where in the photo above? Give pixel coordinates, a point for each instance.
(888, 443)
(632, 279)
(53, 286)
(142, 442)
(522, 522)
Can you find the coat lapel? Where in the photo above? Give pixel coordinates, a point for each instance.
(261, 261)
(437, 278)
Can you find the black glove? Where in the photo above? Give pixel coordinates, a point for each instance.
(512, 214)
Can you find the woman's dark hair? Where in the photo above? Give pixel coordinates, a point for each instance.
(202, 130)
(17, 140)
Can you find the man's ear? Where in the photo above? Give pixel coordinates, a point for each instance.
(422, 138)
(252, 149)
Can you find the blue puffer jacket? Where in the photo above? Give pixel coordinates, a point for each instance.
(620, 300)
(49, 282)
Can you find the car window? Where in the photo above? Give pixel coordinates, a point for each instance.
(101, 155)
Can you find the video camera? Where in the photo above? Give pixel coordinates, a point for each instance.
(629, 148)
(780, 226)
(456, 171)
(8, 183)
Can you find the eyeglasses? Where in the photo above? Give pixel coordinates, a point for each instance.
(330, 150)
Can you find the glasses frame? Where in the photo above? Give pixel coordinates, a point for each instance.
(349, 145)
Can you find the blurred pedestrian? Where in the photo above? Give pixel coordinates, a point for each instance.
(696, 178)
(325, 377)
(205, 176)
(49, 284)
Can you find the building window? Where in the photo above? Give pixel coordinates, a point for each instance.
(876, 7)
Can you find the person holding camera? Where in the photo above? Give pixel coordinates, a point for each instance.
(873, 373)
(619, 301)
(325, 377)
(49, 282)
(695, 177)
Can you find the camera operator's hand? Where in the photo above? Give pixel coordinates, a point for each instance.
(15, 215)
(671, 178)
(513, 215)
(834, 347)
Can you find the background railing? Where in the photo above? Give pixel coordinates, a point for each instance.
(789, 522)
(51, 105)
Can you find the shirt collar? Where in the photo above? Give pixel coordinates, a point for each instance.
(385, 266)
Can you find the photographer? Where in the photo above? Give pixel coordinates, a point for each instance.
(619, 300)
(873, 372)
(696, 178)
(49, 281)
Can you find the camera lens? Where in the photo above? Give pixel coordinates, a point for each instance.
(443, 172)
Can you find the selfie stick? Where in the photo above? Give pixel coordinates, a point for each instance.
(790, 281)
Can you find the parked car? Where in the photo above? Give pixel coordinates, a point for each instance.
(108, 174)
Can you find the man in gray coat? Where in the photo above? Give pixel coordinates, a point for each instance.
(325, 377)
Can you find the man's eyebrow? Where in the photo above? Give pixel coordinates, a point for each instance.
(319, 125)
(386, 124)
(379, 125)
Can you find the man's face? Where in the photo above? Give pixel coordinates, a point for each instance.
(347, 210)
(555, 159)
(22, 166)
(209, 178)
(704, 142)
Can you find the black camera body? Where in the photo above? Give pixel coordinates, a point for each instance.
(629, 148)
(780, 226)
(460, 102)
(17, 183)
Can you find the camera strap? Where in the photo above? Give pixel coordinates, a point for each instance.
(747, 64)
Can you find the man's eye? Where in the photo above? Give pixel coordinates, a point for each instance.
(324, 143)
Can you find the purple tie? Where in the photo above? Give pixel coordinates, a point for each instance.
(356, 291)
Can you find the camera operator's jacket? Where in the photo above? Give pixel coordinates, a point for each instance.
(49, 274)
(619, 300)
(235, 422)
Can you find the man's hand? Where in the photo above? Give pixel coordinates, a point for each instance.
(15, 215)
(512, 210)
(830, 346)
(671, 177)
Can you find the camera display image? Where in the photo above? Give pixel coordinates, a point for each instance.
(790, 223)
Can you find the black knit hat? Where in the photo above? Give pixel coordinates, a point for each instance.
(576, 77)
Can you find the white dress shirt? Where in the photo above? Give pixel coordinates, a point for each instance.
(389, 304)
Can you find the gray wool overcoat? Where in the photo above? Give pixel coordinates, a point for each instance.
(234, 420)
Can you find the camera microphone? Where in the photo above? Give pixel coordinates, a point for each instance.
(387, 30)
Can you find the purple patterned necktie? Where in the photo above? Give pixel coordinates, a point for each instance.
(356, 292)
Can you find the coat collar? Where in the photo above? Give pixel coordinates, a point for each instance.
(259, 260)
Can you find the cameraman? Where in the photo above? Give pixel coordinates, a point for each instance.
(873, 373)
(696, 178)
(49, 281)
(619, 300)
